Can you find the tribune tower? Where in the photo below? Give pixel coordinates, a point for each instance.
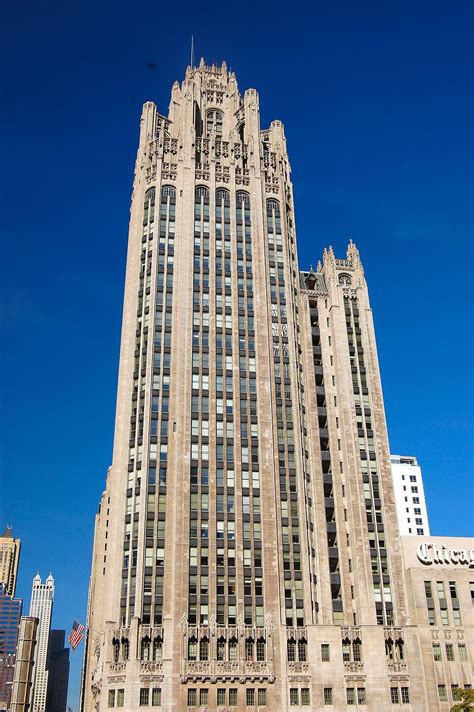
(246, 550)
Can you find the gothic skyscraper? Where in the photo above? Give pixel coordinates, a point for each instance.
(246, 548)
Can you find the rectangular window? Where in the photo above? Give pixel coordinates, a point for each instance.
(233, 697)
(293, 697)
(156, 697)
(250, 697)
(305, 697)
(431, 616)
(361, 698)
(350, 696)
(394, 695)
(449, 652)
(437, 652)
(442, 695)
(111, 698)
(405, 695)
(328, 695)
(144, 696)
(457, 616)
(262, 697)
(192, 697)
(203, 697)
(444, 617)
(325, 653)
(462, 651)
(120, 696)
(440, 590)
(221, 696)
(428, 591)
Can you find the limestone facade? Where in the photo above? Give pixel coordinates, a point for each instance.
(246, 551)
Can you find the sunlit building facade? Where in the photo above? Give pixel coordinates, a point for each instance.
(246, 552)
(409, 496)
(9, 558)
(41, 607)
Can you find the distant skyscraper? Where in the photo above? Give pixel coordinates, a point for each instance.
(58, 672)
(9, 557)
(246, 551)
(10, 612)
(409, 495)
(41, 607)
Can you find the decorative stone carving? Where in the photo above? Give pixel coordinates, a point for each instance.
(353, 668)
(345, 279)
(397, 667)
(117, 667)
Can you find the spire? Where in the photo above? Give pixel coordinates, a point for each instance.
(352, 250)
(7, 534)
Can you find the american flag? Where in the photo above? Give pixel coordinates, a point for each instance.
(76, 634)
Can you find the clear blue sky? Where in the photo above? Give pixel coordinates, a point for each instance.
(376, 98)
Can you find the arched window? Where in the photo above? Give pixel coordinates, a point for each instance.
(389, 649)
(116, 645)
(149, 206)
(399, 647)
(192, 649)
(291, 650)
(145, 648)
(273, 206)
(345, 279)
(243, 197)
(261, 649)
(249, 649)
(125, 649)
(204, 649)
(302, 650)
(233, 649)
(222, 195)
(346, 650)
(201, 192)
(274, 221)
(168, 191)
(214, 120)
(157, 649)
(357, 650)
(241, 130)
(221, 648)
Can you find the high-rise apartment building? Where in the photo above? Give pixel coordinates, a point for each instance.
(10, 613)
(9, 558)
(41, 607)
(409, 496)
(246, 552)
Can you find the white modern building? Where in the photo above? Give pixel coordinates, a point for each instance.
(409, 495)
(41, 607)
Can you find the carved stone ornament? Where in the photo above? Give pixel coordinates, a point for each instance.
(350, 293)
(345, 279)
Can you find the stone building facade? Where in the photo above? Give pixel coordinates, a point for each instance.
(41, 607)
(9, 558)
(246, 551)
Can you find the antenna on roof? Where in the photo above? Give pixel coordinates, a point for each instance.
(192, 51)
